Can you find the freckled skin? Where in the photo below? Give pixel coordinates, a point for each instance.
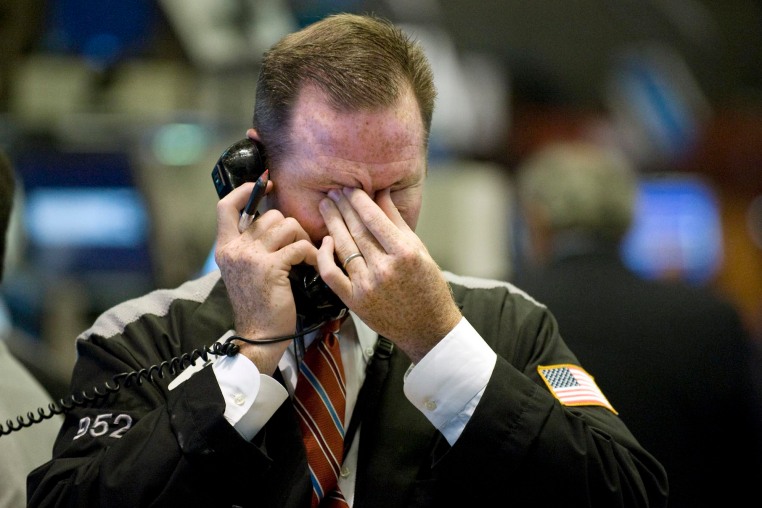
(368, 150)
(353, 183)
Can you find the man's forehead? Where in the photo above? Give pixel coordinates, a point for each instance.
(398, 127)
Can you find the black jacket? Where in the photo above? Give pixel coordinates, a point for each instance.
(673, 359)
(147, 446)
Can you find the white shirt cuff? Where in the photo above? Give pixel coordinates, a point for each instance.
(251, 398)
(447, 384)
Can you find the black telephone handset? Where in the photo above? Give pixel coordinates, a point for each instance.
(241, 162)
(244, 161)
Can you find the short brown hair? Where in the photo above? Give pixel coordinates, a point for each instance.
(359, 62)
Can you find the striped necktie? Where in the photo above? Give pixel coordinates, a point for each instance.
(320, 401)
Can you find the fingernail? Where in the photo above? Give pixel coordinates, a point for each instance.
(334, 194)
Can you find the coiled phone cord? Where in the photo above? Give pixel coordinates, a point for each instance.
(137, 377)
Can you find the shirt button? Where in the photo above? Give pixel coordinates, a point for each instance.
(344, 471)
(430, 405)
(369, 351)
(239, 399)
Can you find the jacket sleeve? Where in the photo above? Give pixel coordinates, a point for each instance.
(147, 445)
(170, 443)
(524, 444)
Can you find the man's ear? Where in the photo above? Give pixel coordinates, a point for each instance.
(253, 135)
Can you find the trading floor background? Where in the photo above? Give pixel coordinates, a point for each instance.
(115, 112)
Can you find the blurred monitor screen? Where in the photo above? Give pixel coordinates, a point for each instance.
(677, 231)
(82, 213)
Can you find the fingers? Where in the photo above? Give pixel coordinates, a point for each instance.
(344, 243)
(349, 229)
(330, 271)
(368, 226)
(270, 233)
(299, 252)
(286, 234)
(384, 201)
(229, 210)
(350, 258)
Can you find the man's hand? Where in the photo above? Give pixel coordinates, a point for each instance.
(396, 286)
(255, 265)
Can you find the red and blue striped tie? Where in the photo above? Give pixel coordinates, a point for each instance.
(320, 401)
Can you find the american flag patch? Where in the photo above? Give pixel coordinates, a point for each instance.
(572, 386)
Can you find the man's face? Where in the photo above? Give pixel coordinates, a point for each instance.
(367, 150)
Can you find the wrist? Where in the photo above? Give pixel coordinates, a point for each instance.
(265, 355)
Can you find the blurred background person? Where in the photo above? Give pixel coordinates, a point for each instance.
(20, 392)
(674, 358)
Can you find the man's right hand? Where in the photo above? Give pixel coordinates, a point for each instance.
(255, 265)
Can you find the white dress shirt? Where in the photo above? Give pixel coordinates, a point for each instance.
(446, 385)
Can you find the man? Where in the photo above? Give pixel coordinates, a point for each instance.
(450, 408)
(21, 450)
(673, 359)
